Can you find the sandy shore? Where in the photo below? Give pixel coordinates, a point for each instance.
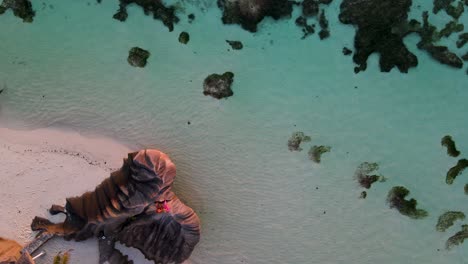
(42, 167)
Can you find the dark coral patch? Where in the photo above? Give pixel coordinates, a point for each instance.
(219, 85)
(248, 13)
(456, 170)
(375, 20)
(448, 142)
(21, 8)
(396, 199)
(447, 220)
(315, 152)
(184, 37)
(156, 7)
(235, 44)
(363, 174)
(294, 142)
(458, 238)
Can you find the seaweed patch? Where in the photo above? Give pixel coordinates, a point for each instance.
(315, 152)
(448, 142)
(294, 142)
(396, 199)
(458, 238)
(456, 170)
(447, 220)
(363, 177)
(21, 8)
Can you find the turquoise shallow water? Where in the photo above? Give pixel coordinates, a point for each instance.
(258, 202)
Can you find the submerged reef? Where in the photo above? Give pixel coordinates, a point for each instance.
(184, 37)
(236, 45)
(311, 8)
(219, 85)
(315, 152)
(137, 57)
(466, 189)
(447, 219)
(458, 238)
(462, 40)
(347, 51)
(396, 199)
(21, 8)
(294, 142)
(374, 21)
(363, 195)
(156, 7)
(363, 177)
(456, 170)
(248, 13)
(448, 142)
(450, 9)
(134, 206)
(323, 22)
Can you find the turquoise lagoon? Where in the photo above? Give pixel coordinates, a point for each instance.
(258, 202)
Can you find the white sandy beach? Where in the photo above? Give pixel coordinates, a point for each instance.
(44, 166)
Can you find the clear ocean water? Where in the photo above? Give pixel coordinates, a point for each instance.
(258, 202)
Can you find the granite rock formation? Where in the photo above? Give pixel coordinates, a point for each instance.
(134, 206)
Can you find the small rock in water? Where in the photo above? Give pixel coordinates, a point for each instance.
(137, 57)
(218, 86)
(184, 37)
(294, 142)
(237, 45)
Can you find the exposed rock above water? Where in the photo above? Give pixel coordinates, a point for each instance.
(137, 57)
(219, 85)
(249, 13)
(21, 8)
(154, 7)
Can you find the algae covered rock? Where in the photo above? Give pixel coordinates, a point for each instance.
(294, 142)
(363, 177)
(219, 85)
(137, 57)
(458, 238)
(184, 37)
(448, 142)
(396, 199)
(21, 8)
(456, 170)
(315, 152)
(447, 219)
